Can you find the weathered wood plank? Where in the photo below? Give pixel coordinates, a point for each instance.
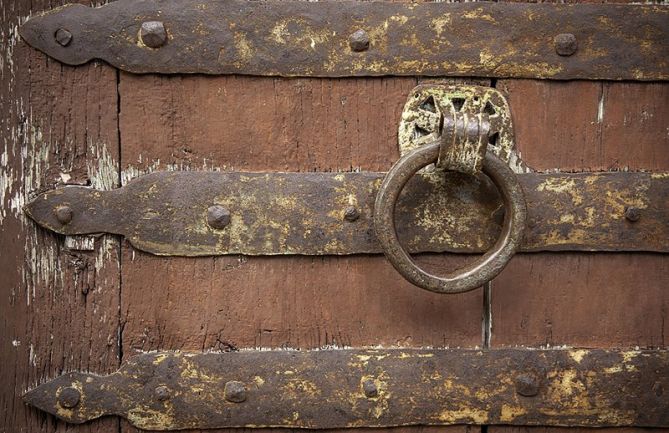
(582, 299)
(225, 303)
(58, 307)
(590, 126)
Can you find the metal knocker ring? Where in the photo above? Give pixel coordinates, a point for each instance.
(471, 276)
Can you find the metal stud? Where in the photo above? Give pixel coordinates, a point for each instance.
(369, 388)
(63, 214)
(359, 40)
(218, 217)
(153, 34)
(234, 391)
(63, 37)
(69, 397)
(351, 213)
(565, 44)
(527, 385)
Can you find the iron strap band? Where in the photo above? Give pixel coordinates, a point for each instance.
(213, 213)
(370, 388)
(349, 38)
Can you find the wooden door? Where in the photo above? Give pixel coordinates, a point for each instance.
(91, 303)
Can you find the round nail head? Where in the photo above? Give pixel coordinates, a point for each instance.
(69, 397)
(63, 37)
(351, 213)
(218, 217)
(63, 214)
(369, 388)
(632, 214)
(162, 393)
(359, 40)
(565, 44)
(153, 34)
(234, 391)
(527, 385)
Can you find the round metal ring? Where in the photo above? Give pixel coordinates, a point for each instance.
(471, 276)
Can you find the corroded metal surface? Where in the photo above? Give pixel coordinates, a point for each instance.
(370, 388)
(294, 38)
(427, 104)
(473, 275)
(167, 213)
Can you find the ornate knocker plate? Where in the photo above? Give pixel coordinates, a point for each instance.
(460, 144)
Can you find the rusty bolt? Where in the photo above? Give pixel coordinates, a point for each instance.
(63, 214)
(632, 214)
(359, 40)
(153, 34)
(565, 44)
(369, 388)
(234, 391)
(218, 217)
(162, 393)
(63, 37)
(527, 385)
(69, 397)
(351, 213)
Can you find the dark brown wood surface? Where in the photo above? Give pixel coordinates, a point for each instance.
(59, 308)
(585, 299)
(63, 309)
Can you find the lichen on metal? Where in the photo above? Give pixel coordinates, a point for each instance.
(357, 38)
(167, 213)
(428, 103)
(370, 388)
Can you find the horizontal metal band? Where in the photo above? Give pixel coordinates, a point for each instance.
(169, 213)
(370, 388)
(348, 38)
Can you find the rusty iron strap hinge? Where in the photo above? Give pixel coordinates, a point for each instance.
(370, 388)
(212, 213)
(349, 38)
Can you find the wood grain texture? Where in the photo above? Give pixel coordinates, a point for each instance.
(590, 126)
(582, 300)
(58, 307)
(585, 299)
(227, 303)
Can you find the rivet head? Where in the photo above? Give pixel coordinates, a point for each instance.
(162, 393)
(369, 388)
(63, 214)
(153, 34)
(527, 385)
(565, 44)
(351, 213)
(359, 40)
(632, 214)
(69, 397)
(63, 37)
(234, 391)
(218, 217)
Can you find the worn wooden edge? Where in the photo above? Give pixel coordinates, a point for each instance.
(370, 388)
(349, 38)
(168, 213)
